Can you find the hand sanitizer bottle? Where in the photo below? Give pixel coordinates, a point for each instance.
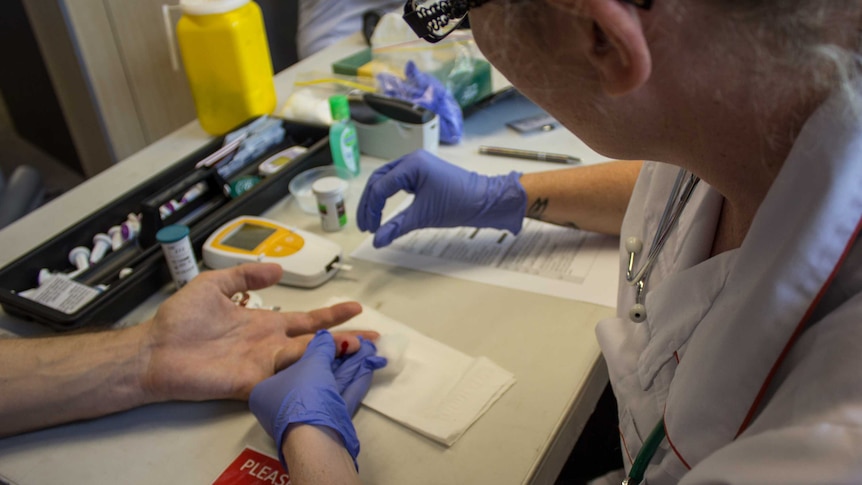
(343, 140)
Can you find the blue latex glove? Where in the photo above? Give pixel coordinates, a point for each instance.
(446, 196)
(426, 91)
(310, 391)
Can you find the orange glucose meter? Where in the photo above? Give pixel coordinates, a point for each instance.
(307, 260)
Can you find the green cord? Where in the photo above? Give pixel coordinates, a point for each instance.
(645, 455)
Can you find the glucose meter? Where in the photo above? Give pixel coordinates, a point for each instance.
(307, 260)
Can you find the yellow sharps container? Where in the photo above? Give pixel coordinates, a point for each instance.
(226, 56)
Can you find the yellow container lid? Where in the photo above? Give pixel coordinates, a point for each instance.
(210, 7)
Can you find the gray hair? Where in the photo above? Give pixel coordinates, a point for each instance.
(796, 36)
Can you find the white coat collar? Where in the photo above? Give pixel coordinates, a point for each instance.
(804, 226)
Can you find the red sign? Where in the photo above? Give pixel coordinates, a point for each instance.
(253, 468)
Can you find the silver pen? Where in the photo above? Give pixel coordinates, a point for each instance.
(529, 155)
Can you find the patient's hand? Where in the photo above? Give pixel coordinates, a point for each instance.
(200, 345)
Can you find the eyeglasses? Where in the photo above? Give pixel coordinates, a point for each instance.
(433, 20)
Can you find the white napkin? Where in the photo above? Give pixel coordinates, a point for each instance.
(440, 392)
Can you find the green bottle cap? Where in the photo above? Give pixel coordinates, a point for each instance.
(172, 233)
(242, 185)
(339, 107)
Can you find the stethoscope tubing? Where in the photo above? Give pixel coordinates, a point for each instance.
(665, 225)
(676, 202)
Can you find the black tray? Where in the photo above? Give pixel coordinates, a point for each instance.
(144, 256)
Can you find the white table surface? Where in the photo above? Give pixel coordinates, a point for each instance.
(547, 342)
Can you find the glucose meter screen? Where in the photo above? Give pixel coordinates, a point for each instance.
(248, 237)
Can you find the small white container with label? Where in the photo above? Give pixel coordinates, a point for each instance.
(330, 202)
(179, 254)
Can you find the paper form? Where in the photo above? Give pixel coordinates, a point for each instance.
(543, 258)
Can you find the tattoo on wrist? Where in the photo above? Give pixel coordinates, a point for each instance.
(537, 209)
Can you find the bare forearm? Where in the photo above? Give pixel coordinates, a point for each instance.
(49, 381)
(316, 455)
(593, 197)
(198, 346)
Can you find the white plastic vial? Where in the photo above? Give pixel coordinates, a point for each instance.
(330, 202)
(178, 253)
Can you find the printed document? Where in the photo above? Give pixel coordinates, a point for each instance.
(542, 258)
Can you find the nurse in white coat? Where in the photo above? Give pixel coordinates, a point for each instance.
(323, 22)
(736, 352)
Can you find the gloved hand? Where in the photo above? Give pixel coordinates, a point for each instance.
(446, 196)
(310, 391)
(426, 91)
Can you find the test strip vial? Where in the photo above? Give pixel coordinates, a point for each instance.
(329, 192)
(179, 254)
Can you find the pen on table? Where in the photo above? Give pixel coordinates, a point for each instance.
(529, 155)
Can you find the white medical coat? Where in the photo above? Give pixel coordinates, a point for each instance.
(754, 356)
(324, 22)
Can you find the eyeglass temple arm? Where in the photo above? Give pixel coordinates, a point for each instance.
(424, 20)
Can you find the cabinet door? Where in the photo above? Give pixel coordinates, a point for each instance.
(161, 95)
(110, 66)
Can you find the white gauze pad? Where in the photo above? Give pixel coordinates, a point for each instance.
(392, 346)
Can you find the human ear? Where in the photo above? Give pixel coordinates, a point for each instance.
(617, 48)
